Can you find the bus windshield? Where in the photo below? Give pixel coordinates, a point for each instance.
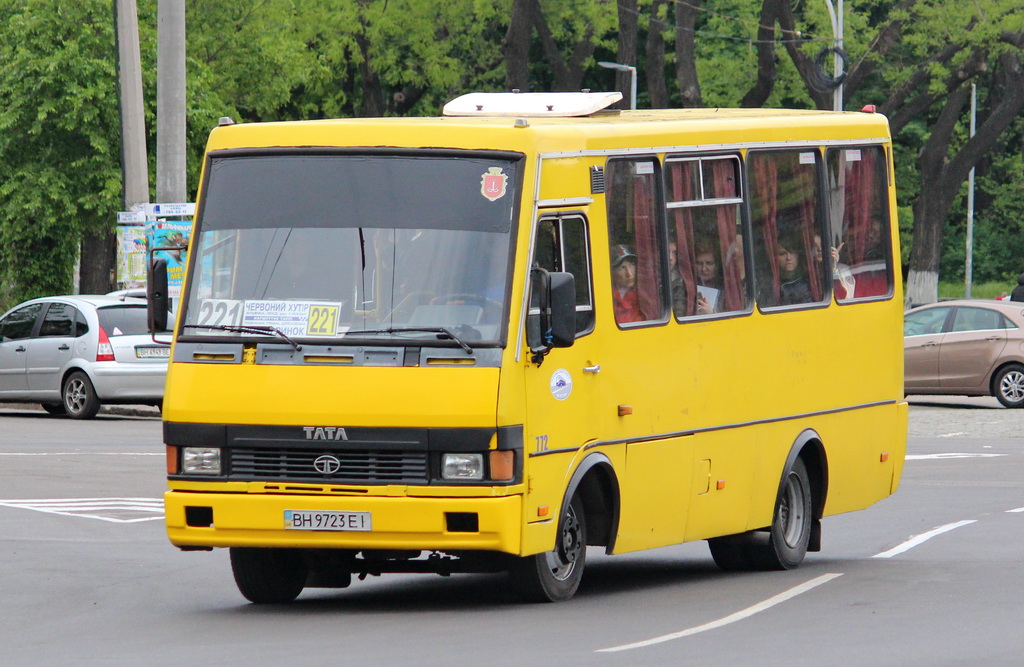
(336, 246)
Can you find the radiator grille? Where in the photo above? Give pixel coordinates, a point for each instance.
(355, 466)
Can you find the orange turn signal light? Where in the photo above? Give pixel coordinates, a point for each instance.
(502, 465)
(172, 460)
(720, 485)
(884, 457)
(625, 410)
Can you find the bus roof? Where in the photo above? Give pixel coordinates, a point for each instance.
(601, 129)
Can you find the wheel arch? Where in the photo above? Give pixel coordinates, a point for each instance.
(598, 486)
(809, 447)
(71, 368)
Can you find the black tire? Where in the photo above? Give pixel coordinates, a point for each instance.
(784, 544)
(731, 553)
(55, 409)
(555, 575)
(1008, 386)
(268, 576)
(791, 526)
(79, 397)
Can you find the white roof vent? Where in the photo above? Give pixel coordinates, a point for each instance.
(530, 105)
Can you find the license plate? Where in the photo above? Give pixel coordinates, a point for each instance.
(152, 352)
(310, 520)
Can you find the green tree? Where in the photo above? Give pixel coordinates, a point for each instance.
(59, 151)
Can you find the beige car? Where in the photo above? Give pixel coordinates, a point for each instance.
(969, 347)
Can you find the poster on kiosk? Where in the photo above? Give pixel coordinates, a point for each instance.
(161, 228)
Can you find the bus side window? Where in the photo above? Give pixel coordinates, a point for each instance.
(562, 246)
(634, 235)
(706, 256)
(859, 222)
(786, 217)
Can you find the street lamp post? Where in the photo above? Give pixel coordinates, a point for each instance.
(632, 78)
(837, 37)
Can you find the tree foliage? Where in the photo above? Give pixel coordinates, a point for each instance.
(59, 171)
(267, 60)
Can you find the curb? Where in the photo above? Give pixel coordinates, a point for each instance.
(121, 410)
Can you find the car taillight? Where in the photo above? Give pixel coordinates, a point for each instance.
(104, 351)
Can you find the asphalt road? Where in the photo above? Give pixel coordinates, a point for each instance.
(930, 576)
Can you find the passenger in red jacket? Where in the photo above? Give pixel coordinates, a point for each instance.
(624, 294)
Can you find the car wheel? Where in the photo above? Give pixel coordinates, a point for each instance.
(1008, 386)
(56, 409)
(555, 575)
(80, 400)
(268, 576)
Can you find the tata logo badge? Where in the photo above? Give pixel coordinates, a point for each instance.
(492, 184)
(325, 433)
(326, 464)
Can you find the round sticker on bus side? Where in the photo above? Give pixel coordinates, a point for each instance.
(561, 384)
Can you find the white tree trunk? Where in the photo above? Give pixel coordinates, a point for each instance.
(922, 288)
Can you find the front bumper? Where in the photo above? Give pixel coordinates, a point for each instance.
(257, 520)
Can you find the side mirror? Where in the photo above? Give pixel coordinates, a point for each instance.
(562, 309)
(551, 321)
(157, 301)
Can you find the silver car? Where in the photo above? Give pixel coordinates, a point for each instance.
(75, 353)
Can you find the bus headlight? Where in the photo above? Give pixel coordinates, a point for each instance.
(462, 466)
(200, 460)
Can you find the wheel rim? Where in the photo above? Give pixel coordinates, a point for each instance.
(74, 395)
(562, 561)
(1012, 386)
(791, 511)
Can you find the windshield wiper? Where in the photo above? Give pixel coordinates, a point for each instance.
(265, 331)
(438, 330)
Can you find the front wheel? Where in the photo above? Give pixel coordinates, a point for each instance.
(1009, 386)
(268, 576)
(555, 575)
(80, 399)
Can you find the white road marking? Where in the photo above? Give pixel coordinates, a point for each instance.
(923, 537)
(1019, 509)
(951, 435)
(115, 510)
(951, 455)
(732, 618)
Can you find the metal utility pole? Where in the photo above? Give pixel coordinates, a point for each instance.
(170, 101)
(969, 264)
(836, 14)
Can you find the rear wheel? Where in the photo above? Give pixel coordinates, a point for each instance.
(80, 400)
(791, 528)
(267, 576)
(555, 575)
(1009, 386)
(784, 544)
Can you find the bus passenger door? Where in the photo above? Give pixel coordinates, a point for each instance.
(560, 392)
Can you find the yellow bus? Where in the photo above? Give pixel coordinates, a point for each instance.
(485, 341)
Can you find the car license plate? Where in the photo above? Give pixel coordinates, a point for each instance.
(152, 352)
(311, 520)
